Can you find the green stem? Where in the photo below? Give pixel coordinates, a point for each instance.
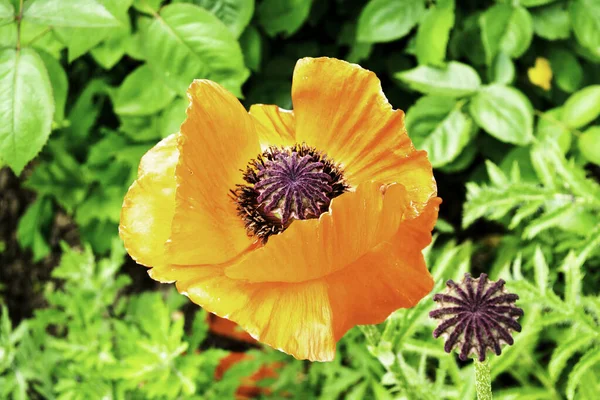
(483, 380)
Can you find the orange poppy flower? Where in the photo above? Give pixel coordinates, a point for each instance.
(227, 328)
(297, 225)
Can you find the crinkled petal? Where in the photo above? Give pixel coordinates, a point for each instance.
(341, 110)
(149, 205)
(217, 140)
(310, 249)
(391, 276)
(294, 318)
(275, 126)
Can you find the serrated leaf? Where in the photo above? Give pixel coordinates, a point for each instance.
(582, 107)
(187, 42)
(438, 126)
(549, 220)
(434, 32)
(385, 21)
(287, 17)
(69, 13)
(565, 351)
(60, 85)
(455, 80)
(586, 362)
(505, 113)
(26, 106)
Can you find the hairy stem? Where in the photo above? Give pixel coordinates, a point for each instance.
(483, 380)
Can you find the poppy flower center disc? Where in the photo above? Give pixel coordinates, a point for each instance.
(286, 183)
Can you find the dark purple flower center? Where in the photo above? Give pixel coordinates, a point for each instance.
(284, 184)
(291, 185)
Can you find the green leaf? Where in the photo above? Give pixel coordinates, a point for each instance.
(32, 225)
(26, 106)
(136, 97)
(565, 351)
(585, 17)
(113, 47)
(552, 22)
(550, 127)
(438, 126)
(235, 14)
(589, 144)
(503, 69)
(7, 12)
(566, 69)
(251, 43)
(455, 80)
(187, 42)
(69, 13)
(505, 28)
(60, 85)
(590, 359)
(434, 32)
(147, 6)
(535, 3)
(505, 113)
(286, 17)
(582, 107)
(385, 20)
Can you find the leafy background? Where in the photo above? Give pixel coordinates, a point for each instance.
(505, 97)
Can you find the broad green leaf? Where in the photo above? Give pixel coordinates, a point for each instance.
(385, 20)
(505, 28)
(463, 161)
(585, 17)
(60, 85)
(188, 42)
(8, 35)
(172, 117)
(235, 14)
(286, 17)
(135, 96)
(7, 12)
(110, 51)
(69, 13)
(251, 43)
(504, 113)
(147, 6)
(434, 32)
(589, 144)
(551, 127)
(26, 106)
(81, 40)
(566, 69)
(552, 22)
(503, 69)
(582, 107)
(439, 126)
(535, 3)
(454, 80)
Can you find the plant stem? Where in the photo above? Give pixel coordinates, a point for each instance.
(483, 380)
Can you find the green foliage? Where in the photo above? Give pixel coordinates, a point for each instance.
(87, 87)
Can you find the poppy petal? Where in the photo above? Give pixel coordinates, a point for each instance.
(216, 141)
(275, 126)
(391, 276)
(309, 249)
(340, 109)
(150, 204)
(294, 318)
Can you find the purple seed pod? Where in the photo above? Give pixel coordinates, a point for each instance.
(476, 314)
